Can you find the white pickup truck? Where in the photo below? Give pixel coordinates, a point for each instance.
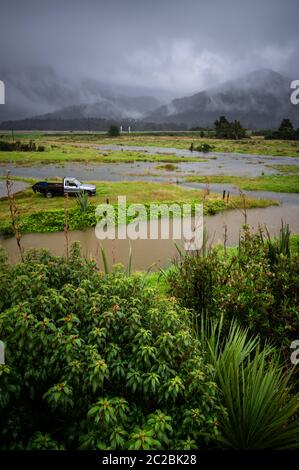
(68, 186)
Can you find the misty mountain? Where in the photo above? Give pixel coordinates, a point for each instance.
(109, 107)
(260, 99)
(38, 91)
(43, 100)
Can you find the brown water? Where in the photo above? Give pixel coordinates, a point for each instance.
(16, 187)
(151, 254)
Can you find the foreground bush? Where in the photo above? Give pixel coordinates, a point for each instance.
(261, 412)
(258, 285)
(98, 362)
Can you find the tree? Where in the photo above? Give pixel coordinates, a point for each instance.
(221, 126)
(296, 134)
(229, 130)
(237, 130)
(114, 131)
(286, 129)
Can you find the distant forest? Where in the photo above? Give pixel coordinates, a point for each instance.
(85, 124)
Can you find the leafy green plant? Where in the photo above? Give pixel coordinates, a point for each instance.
(260, 413)
(104, 259)
(97, 361)
(280, 246)
(82, 201)
(257, 283)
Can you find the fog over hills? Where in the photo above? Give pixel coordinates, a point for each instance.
(39, 91)
(260, 100)
(93, 59)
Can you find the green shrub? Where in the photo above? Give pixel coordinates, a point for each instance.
(204, 147)
(259, 286)
(98, 361)
(31, 146)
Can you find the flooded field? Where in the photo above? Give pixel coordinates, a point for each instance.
(152, 254)
(155, 253)
(217, 164)
(17, 186)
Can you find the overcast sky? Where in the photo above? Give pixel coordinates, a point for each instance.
(175, 45)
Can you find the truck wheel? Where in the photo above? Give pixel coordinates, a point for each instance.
(49, 194)
(89, 193)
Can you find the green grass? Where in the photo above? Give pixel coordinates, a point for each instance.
(286, 169)
(254, 145)
(38, 214)
(67, 153)
(158, 281)
(59, 154)
(275, 183)
(249, 145)
(294, 243)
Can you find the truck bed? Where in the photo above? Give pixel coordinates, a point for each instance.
(45, 186)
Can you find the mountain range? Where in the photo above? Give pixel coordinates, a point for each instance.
(260, 100)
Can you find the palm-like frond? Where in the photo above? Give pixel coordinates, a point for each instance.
(260, 410)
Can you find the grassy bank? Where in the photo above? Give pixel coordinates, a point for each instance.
(250, 145)
(38, 214)
(285, 169)
(276, 183)
(61, 153)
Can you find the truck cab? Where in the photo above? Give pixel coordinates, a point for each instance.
(71, 185)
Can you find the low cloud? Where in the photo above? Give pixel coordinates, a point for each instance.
(185, 68)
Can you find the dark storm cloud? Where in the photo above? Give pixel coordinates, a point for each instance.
(174, 45)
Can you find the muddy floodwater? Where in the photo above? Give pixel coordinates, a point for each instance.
(16, 187)
(152, 254)
(215, 164)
